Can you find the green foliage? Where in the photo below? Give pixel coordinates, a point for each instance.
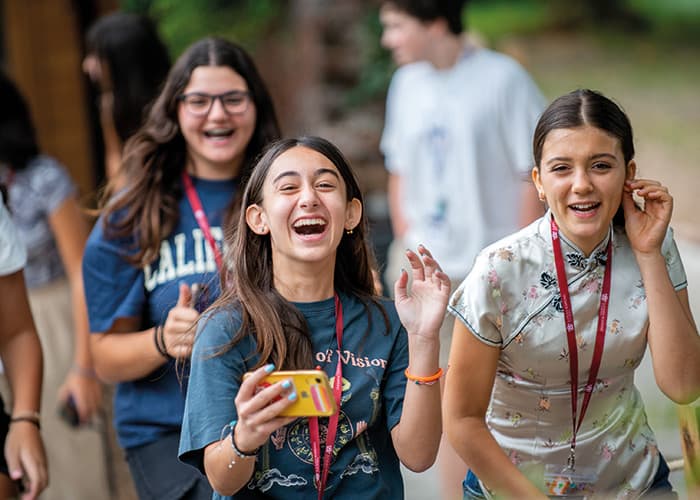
(377, 66)
(494, 19)
(181, 22)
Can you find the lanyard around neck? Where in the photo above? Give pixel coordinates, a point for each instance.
(320, 477)
(200, 216)
(571, 335)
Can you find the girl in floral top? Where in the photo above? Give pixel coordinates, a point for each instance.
(566, 307)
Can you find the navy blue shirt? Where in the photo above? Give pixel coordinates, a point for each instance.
(152, 406)
(365, 464)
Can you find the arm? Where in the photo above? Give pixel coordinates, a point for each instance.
(468, 389)
(258, 417)
(672, 335)
(70, 231)
(21, 356)
(399, 225)
(131, 354)
(417, 435)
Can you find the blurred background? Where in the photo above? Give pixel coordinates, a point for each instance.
(328, 76)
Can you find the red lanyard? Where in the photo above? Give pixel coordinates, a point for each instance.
(571, 336)
(201, 217)
(321, 477)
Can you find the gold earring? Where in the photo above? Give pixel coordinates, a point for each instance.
(348, 231)
(540, 195)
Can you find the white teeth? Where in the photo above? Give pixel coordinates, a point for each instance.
(310, 222)
(584, 206)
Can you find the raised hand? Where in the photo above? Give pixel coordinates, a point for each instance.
(647, 228)
(258, 410)
(179, 330)
(423, 311)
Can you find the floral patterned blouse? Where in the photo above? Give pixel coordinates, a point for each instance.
(511, 300)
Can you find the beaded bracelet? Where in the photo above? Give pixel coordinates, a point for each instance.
(424, 380)
(32, 417)
(239, 453)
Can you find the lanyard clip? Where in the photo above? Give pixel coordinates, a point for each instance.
(571, 461)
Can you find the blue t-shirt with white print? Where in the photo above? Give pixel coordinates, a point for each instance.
(365, 464)
(147, 408)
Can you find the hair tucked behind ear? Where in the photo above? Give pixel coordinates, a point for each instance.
(586, 107)
(280, 330)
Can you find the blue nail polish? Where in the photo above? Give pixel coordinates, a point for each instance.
(292, 396)
(286, 384)
(269, 368)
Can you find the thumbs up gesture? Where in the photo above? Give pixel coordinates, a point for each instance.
(179, 327)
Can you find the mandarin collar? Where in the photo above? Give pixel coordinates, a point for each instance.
(573, 255)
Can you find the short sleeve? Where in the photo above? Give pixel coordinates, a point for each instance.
(114, 288)
(474, 304)
(51, 183)
(674, 264)
(521, 104)
(213, 384)
(13, 255)
(395, 378)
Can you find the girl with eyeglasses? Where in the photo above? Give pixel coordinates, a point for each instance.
(152, 261)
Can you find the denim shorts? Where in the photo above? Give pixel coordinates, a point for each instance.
(158, 474)
(660, 488)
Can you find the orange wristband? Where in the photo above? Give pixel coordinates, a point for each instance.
(424, 380)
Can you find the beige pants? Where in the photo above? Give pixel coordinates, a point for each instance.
(396, 260)
(77, 458)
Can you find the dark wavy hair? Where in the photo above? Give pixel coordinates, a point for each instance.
(138, 61)
(18, 142)
(280, 330)
(586, 107)
(155, 156)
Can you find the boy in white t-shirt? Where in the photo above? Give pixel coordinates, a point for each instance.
(457, 145)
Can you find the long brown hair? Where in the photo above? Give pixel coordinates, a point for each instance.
(154, 158)
(279, 328)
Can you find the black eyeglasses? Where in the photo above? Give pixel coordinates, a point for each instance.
(199, 103)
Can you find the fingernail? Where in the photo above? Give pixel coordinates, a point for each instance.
(292, 396)
(286, 384)
(269, 368)
(403, 270)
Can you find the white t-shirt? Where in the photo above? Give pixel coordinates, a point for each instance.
(461, 139)
(12, 253)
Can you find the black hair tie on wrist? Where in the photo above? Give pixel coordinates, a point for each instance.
(31, 420)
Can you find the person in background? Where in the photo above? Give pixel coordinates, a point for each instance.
(45, 210)
(127, 62)
(22, 455)
(456, 143)
(300, 293)
(553, 321)
(152, 260)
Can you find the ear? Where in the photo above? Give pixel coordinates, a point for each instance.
(631, 170)
(256, 220)
(438, 26)
(538, 183)
(353, 214)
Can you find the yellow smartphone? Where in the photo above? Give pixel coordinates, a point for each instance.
(314, 392)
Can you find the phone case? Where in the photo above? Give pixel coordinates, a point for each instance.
(314, 393)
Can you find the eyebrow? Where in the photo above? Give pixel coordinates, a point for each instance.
(592, 157)
(317, 173)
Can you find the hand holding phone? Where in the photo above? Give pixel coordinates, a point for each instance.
(313, 389)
